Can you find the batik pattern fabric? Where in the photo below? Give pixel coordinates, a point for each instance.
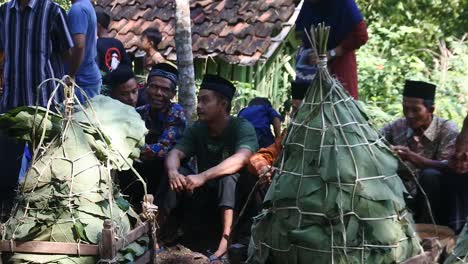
(165, 129)
(435, 143)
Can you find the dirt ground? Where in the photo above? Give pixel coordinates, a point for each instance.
(181, 255)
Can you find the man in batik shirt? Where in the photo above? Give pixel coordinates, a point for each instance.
(165, 121)
(423, 141)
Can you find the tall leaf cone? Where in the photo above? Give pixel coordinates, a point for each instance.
(336, 197)
(68, 192)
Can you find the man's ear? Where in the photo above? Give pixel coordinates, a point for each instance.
(174, 93)
(431, 109)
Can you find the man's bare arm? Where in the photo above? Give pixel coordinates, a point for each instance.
(176, 180)
(228, 166)
(77, 54)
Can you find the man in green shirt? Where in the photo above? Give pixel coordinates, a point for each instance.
(222, 145)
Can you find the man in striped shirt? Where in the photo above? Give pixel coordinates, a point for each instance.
(34, 38)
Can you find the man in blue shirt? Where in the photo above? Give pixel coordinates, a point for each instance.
(83, 68)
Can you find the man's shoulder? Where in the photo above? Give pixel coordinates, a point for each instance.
(240, 124)
(397, 124)
(53, 5)
(176, 108)
(81, 6)
(4, 6)
(446, 124)
(198, 126)
(109, 41)
(142, 109)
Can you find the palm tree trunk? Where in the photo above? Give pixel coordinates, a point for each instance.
(183, 43)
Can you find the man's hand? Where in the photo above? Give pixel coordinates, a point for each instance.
(70, 80)
(314, 59)
(1, 89)
(459, 159)
(195, 181)
(265, 173)
(407, 155)
(177, 181)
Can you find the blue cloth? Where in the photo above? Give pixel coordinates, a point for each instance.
(25, 162)
(91, 90)
(81, 19)
(305, 72)
(340, 15)
(261, 117)
(165, 129)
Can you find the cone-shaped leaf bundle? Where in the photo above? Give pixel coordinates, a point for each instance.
(68, 192)
(336, 197)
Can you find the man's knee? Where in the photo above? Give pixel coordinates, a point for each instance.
(229, 180)
(431, 173)
(227, 191)
(430, 177)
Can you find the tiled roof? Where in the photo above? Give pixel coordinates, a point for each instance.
(238, 31)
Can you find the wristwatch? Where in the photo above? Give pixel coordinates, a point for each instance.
(332, 53)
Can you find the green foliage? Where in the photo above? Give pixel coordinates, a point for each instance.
(64, 3)
(244, 93)
(422, 40)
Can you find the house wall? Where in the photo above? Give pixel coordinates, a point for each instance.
(269, 78)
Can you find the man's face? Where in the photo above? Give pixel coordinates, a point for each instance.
(209, 106)
(416, 113)
(159, 92)
(126, 93)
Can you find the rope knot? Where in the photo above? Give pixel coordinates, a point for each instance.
(322, 62)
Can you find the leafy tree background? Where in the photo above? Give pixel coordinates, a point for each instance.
(417, 39)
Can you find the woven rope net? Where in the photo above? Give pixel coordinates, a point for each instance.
(68, 191)
(336, 197)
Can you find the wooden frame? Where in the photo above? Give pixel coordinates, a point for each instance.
(106, 250)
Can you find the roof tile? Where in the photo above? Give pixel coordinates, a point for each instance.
(237, 31)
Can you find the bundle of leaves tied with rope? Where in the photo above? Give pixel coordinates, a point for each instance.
(68, 191)
(336, 197)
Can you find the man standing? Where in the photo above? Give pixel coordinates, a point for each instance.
(123, 85)
(222, 144)
(423, 141)
(83, 69)
(34, 38)
(110, 51)
(347, 34)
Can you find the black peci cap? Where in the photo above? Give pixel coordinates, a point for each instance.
(419, 89)
(218, 84)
